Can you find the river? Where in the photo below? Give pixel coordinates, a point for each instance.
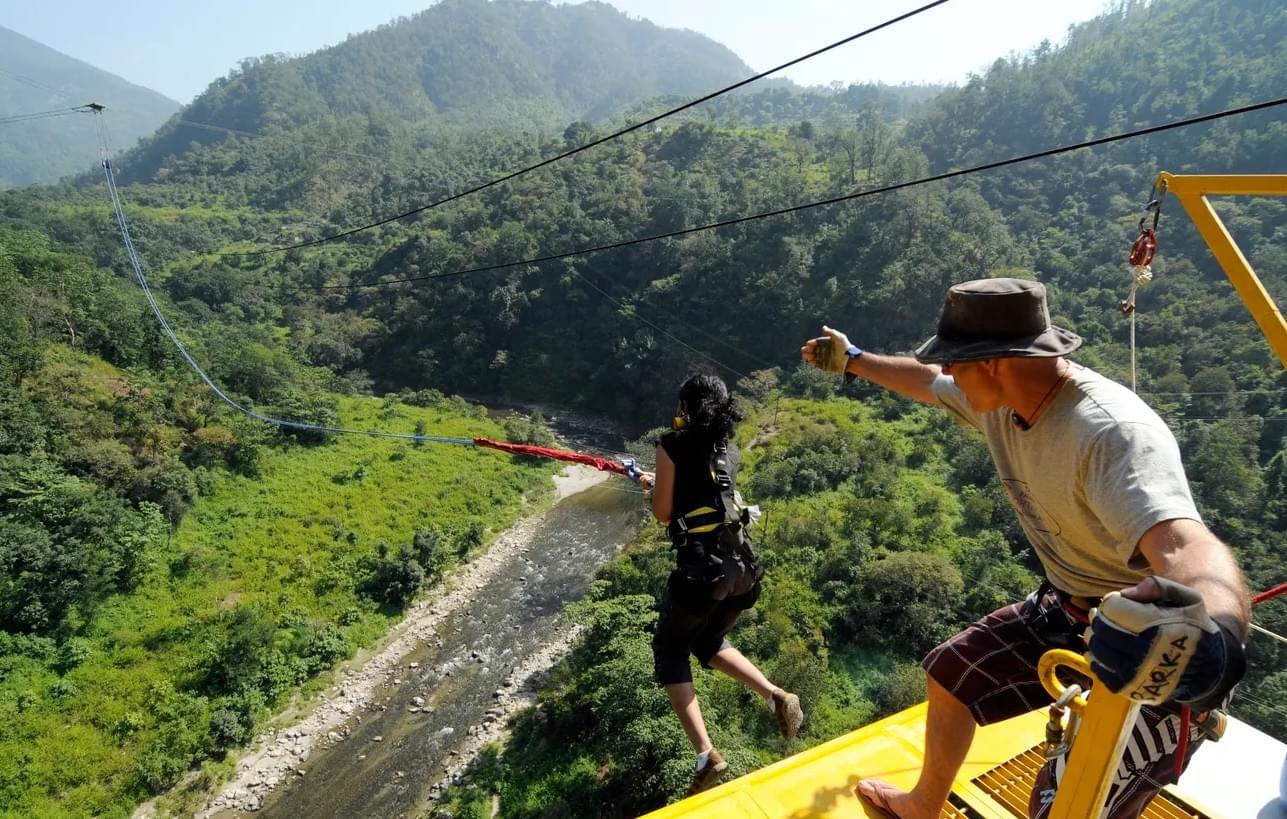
(423, 716)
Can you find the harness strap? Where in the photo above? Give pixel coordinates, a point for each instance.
(1075, 606)
(726, 512)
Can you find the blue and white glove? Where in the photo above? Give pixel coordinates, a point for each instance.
(1165, 651)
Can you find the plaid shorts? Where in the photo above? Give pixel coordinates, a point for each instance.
(991, 668)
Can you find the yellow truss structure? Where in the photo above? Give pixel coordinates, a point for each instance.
(1192, 192)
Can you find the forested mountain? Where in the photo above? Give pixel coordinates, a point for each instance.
(508, 64)
(887, 526)
(36, 78)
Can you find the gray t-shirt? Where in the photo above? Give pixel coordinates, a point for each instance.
(1097, 471)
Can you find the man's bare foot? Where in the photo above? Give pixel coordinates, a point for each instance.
(890, 802)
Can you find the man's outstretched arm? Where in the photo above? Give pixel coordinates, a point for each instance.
(901, 374)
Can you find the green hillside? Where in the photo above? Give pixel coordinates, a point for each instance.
(170, 572)
(864, 493)
(438, 68)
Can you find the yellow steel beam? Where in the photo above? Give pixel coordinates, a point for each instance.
(1097, 749)
(1192, 191)
(1226, 185)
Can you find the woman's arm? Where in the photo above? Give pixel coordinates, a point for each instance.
(663, 490)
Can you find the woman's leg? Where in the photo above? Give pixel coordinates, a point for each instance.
(680, 619)
(735, 664)
(714, 650)
(683, 699)
(786, 706)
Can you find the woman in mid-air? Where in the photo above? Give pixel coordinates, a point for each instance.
(716, 577)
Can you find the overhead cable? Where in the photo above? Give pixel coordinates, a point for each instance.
(1222, 392)
(141, 277)
(56, 112)
(658, 327)
(988, 166)
(615, 134)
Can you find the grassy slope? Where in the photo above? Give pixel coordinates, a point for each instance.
(289, 542)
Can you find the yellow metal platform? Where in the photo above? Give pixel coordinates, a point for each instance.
(994, 783)
(820, 782)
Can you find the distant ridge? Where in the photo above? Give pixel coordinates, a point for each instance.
(504, 63)
(34, 77)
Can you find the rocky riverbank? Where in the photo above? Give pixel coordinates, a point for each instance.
(365, 684)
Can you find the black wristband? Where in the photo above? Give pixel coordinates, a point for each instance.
(1235, 664)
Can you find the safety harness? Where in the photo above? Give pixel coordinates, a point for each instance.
(713, 537)
(727, 512)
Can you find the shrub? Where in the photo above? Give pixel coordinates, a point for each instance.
(523, 430)
(393, 580)
(71, 654)
(907, 602)
(228, 729)
(903, 687)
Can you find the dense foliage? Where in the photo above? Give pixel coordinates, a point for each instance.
(146, 647)
(170, 570)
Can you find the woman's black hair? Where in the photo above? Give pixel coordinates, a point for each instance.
(709, 407)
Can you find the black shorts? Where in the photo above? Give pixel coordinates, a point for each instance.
(691, 621)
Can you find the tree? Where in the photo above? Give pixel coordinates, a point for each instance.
(394, 578)
(906, 601)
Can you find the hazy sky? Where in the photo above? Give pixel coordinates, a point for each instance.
(177, 48)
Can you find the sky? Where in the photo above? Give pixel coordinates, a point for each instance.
(178, 48)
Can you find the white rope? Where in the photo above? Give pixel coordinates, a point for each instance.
(136, 263)
(1140, 276)
(1268, 633)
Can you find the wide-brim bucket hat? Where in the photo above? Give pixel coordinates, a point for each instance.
(996, 318)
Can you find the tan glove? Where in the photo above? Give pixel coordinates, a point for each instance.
(828, 352)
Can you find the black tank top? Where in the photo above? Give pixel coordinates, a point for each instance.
(692, 457)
